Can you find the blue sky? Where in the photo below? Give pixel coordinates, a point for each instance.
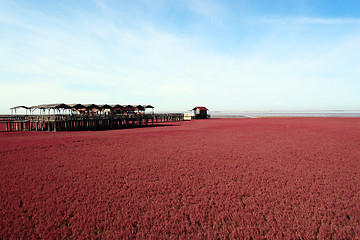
(226, 55)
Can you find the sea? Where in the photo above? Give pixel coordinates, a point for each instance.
(255, 114)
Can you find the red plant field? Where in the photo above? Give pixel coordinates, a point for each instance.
(218, 178)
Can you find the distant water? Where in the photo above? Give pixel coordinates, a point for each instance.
(245, 114)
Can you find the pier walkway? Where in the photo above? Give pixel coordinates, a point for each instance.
(58, 122)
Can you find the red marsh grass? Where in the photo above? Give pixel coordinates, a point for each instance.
(218, 178)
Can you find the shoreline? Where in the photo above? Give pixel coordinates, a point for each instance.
(352, 114)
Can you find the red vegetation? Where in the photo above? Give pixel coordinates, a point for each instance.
(226, 178)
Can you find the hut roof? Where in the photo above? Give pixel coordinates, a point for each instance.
(147, 106)
(127, 106)
(90, 106)
(117, 106)
(52, 106)
(105, 106)
(76, 105)
(201, 108)
(17, 107)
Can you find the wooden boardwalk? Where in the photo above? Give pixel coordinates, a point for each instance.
(83, 122)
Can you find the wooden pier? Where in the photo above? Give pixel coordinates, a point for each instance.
(57, 122)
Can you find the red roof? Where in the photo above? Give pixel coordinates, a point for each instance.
(201, 108)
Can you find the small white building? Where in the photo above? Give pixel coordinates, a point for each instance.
(189, 116)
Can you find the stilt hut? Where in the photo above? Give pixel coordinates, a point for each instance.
(201, 112)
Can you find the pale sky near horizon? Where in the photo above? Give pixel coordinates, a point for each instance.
(244, 55)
